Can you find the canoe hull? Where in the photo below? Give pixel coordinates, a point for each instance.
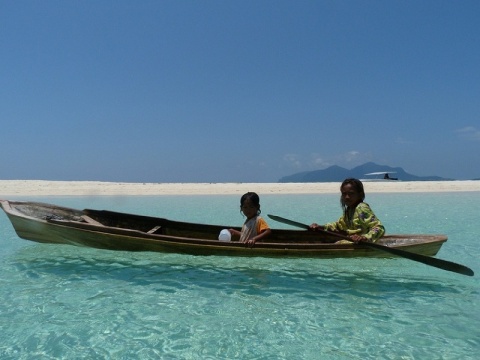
(45, 223)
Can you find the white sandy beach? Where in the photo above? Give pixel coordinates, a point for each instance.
(11, 188)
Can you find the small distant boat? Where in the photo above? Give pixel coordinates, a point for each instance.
(380, 176)
(102, 229)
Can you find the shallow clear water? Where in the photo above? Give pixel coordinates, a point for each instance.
(65, 302)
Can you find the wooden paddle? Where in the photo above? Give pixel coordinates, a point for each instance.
(428, 260)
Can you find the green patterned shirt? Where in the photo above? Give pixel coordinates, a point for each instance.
(363, 222)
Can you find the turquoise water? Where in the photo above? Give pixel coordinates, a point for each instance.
(65, 302)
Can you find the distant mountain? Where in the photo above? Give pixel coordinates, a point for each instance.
(336, 173)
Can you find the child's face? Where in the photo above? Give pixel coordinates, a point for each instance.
(249, 209)
(350, 195)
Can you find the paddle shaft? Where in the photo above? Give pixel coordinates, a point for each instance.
(428, 260)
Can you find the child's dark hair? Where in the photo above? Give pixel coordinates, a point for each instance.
(357, 185)
(253, 197)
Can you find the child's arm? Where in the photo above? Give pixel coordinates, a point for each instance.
(234, 232)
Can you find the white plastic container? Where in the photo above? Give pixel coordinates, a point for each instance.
(225, 235)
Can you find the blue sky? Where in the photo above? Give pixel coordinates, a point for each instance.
(237, 91)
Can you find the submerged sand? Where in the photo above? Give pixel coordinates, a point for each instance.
(10, 188)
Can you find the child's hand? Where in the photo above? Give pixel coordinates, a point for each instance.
(357, 238)
(315, 227)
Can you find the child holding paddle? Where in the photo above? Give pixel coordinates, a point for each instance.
(255, 227)
(358, 220)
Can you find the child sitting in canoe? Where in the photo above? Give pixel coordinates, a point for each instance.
(358, 220)
(255, 227)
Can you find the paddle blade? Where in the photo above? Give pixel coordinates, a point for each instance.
(427, 260)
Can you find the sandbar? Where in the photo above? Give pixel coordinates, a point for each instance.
(11, 188)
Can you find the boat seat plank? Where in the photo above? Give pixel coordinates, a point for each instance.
(89, 220)
(154, 230)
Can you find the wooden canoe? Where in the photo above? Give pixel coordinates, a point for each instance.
(101, 229)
